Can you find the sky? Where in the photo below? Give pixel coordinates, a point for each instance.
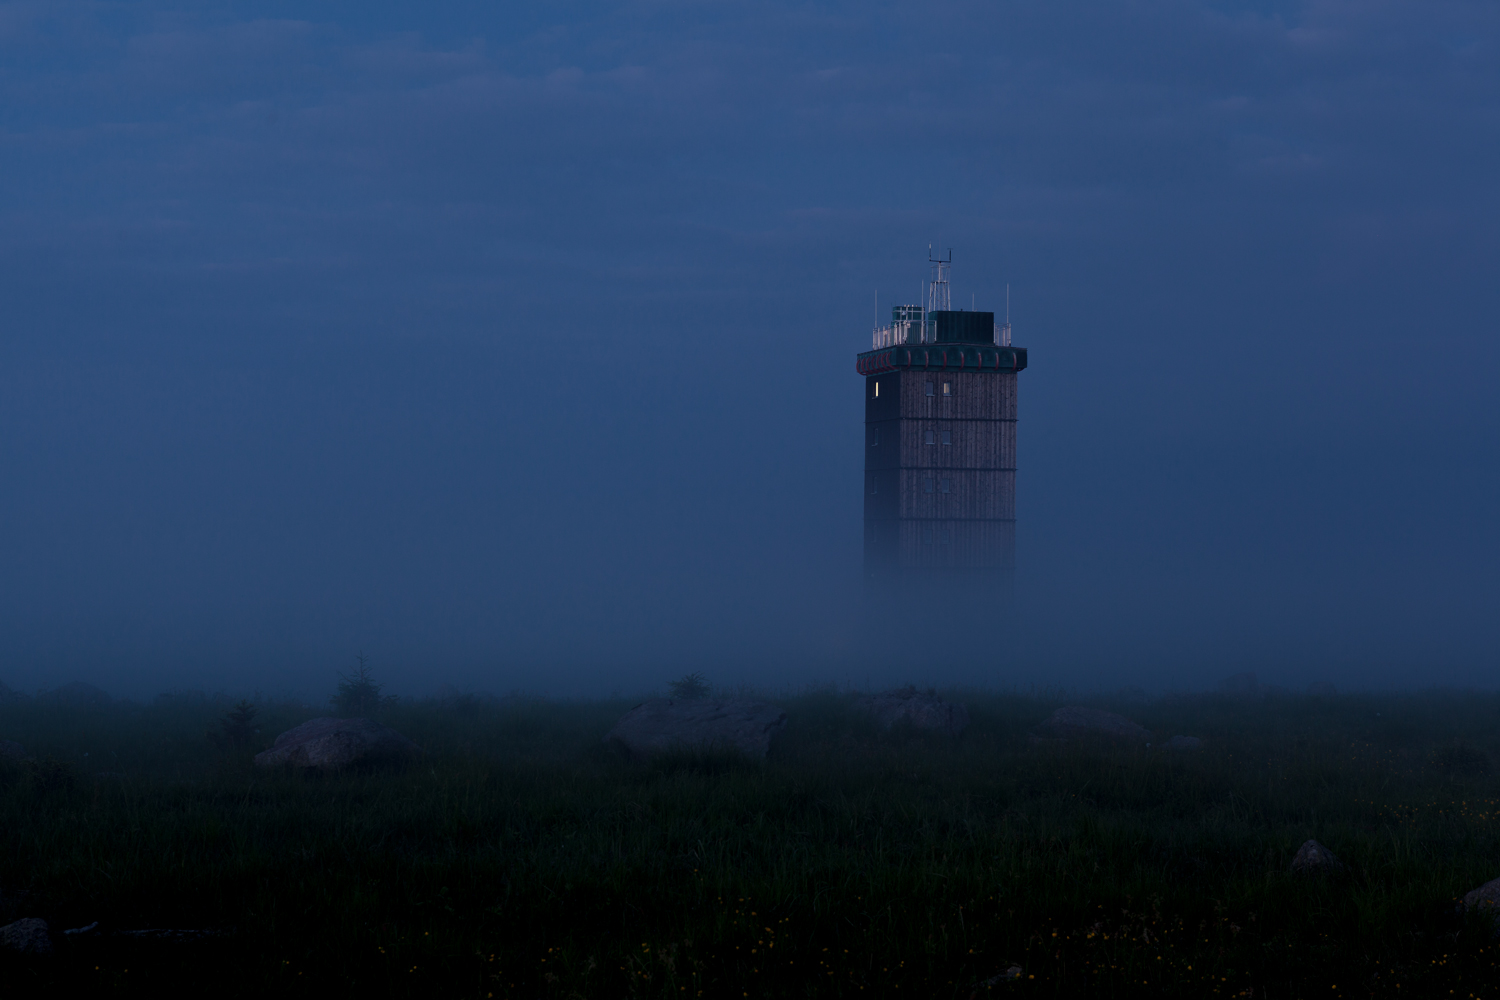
(512, 346)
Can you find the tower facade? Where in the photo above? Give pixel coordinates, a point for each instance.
(940, 448)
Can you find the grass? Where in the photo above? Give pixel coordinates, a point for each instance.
(522, 858)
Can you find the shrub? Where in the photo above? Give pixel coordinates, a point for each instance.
(1461, 757)
(47, 774)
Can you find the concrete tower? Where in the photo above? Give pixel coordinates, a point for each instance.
(940, 446)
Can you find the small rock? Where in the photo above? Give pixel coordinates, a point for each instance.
(910, 706)
(665, 724)
(1014, 972)
(337, 744)
(11, 750)
(1485, 899)
(1077, 721)
(28, 936)
(1315, 859)
(1184, 743)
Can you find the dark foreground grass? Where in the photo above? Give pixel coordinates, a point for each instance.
(522, 858)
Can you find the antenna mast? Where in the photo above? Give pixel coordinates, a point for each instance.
(938, 297)
(1005, 330)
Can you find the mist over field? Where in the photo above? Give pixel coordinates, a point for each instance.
(514, 347)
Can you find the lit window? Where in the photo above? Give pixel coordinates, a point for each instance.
(945, 486)
(947, 389)
(927, 437)
(930, 391)
(877, 390)
(927, 484)
(947, 437)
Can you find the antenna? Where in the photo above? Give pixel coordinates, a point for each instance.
(939, 296)
(1005, 330)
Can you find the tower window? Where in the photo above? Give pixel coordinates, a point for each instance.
(945, 486)
(874, 437)
(873, 486)
(947, 389)
(930, 391)
(947, 536)
(927, 437)
(927, 534)
(927, 485)
(947, 437)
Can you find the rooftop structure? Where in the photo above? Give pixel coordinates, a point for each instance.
(940, 442)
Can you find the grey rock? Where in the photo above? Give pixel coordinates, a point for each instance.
(665, 724)
(11, 750)
(1184, 743)
(1485, 899)
(27, 936)
(912, 707)
(1315, 859)
(1074, 721)
(1014, 972)
(338, 744)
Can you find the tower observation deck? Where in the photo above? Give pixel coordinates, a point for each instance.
(940, 446)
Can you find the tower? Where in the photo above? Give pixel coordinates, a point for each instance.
(940, 446)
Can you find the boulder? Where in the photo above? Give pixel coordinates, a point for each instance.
(11, 750)
(1315, 859)
(1074, 721)
(27, 936)
(337, 744)
(1184, 743)
(664, 724)
(1486, 899)
(921, 711)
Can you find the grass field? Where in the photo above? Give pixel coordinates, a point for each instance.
(523, 858)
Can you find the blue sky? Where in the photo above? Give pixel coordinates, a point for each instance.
(515, 347)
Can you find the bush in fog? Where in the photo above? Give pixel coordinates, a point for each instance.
(1461, 757)
(79, 693)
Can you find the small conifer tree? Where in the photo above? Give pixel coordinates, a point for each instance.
(238, 724)
(691, 686)
(358, 692)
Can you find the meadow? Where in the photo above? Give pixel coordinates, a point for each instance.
(522, 857)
